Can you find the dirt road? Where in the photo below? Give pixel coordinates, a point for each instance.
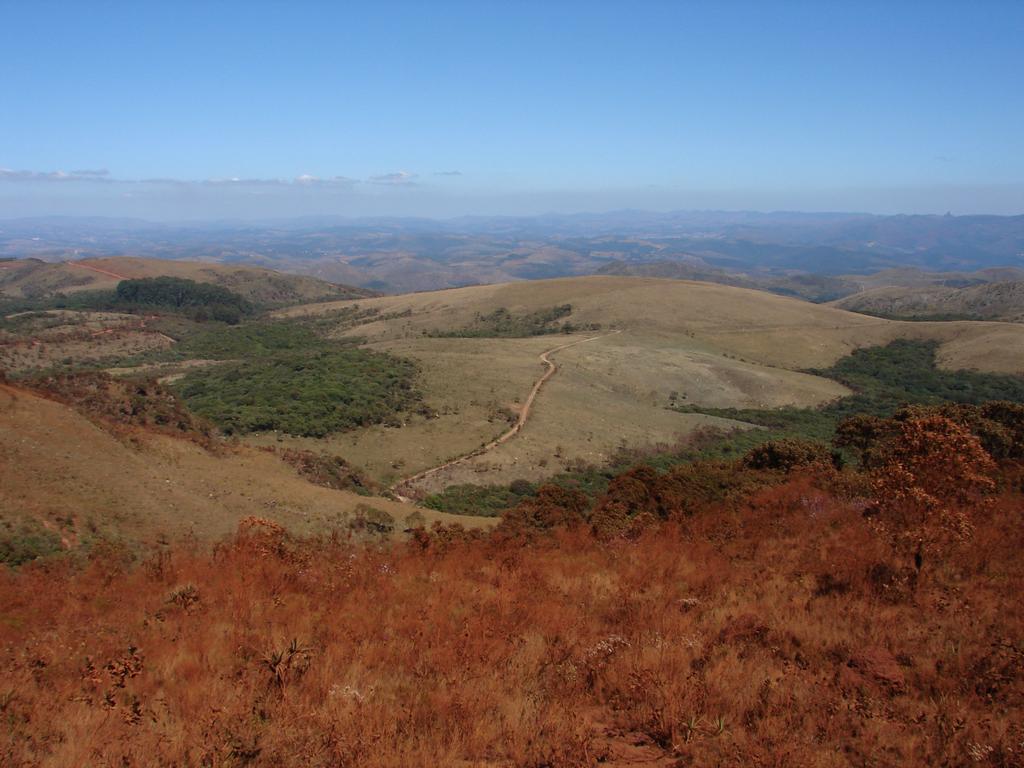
(524, 414)
(106, 272)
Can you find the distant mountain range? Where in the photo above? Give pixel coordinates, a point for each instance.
(395, 255)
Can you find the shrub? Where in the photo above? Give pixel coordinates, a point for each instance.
(415, 519)
(480, 500)
(552, 507)
(372, 520)
(124, 402)
(25, 541)
(931, 475)
(787, 455)
(327, 471)
(633, 492)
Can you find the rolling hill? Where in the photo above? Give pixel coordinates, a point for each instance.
(77, 477)
(35, 279)
(911, 277)
(655, 341)
(813, 287)
(769, 330)
(987, 301)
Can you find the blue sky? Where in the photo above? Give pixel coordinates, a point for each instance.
(435, 108)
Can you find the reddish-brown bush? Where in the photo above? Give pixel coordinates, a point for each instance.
(787, 455)
(551, 507)
(931, 478)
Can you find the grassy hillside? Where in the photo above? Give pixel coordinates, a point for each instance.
(912, 277)
(812, 287)
(502, 324)
(477, 351)
(42, 340)
(880, 380)
(761, 327)
(90, 475)
(145, 296)
(724, 607)
(35, 279)
(663, 342)
(989, 301)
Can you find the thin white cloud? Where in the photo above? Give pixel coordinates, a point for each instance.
(234, 181)
(9, 174)
(398, 178)
(103, 176)
(305, 180)
(308, 180)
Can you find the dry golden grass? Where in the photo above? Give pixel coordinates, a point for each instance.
(712, 345)
(770, 329)
(58, 464)
(994, 301)
(768, 632)
(476, 386)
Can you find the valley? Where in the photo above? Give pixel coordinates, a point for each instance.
(412, 394)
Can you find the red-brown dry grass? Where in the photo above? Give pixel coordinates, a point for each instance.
(774, 632)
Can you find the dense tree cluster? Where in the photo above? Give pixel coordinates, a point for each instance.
(304, 394)
(162, 295)
(282, 375)
(202, 301)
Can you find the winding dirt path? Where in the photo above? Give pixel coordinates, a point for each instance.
(524, 414)
(106, 272)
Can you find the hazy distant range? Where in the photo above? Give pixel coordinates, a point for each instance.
(800, 253)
